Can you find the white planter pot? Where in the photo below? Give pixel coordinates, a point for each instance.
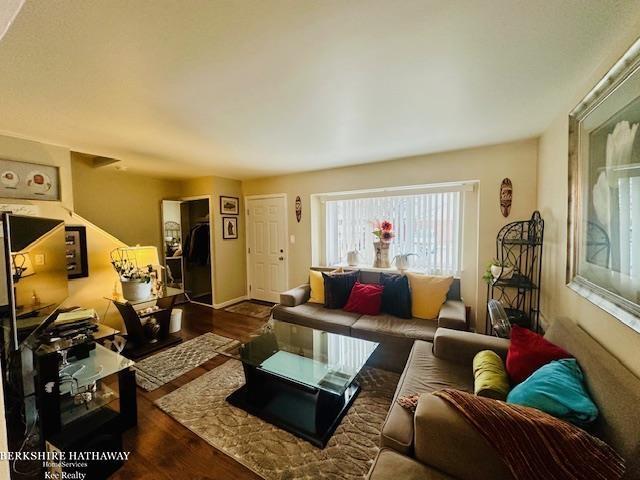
(504, 273)
(352, 258)
(136, 291)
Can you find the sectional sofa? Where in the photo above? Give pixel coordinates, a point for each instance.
(395, 335)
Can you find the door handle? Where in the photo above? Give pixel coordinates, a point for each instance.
(280, 258)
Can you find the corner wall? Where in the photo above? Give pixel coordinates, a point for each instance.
(557, 298)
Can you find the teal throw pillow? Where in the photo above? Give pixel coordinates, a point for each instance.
(558, 389)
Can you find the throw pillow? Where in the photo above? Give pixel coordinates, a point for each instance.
(428, 293)
(365, 298)
(558, 389)
(490, 376)
(337, 288)
(396, 296)
(317, 286)
(529, 351)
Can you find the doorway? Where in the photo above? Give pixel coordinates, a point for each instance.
(267, 264)
(188, 248)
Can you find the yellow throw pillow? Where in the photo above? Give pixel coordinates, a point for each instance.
(490, 376)
(428, 293)
(316, 281)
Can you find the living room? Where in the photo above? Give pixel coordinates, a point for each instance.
(274, 160)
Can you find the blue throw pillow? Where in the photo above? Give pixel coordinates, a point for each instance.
(558, 389)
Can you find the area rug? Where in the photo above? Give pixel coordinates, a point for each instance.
(273, 453)
(161, 368)
(250, 309)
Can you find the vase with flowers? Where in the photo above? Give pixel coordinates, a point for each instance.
(383, 231)
(135, 280)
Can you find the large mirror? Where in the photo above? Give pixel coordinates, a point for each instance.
(604, 193)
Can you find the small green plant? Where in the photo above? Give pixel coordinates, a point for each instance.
(488, 276)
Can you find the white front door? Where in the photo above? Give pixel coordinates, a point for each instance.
(266, 234)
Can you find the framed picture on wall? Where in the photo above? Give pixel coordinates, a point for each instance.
(76, 251)
(603, 258)
(229, 205)
(29, 181)
(229, 228)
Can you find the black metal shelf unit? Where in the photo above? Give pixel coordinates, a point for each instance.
(519, 251)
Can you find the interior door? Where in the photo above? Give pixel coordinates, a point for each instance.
(266, 236)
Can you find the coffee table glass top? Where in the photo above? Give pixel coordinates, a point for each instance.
(312, 357)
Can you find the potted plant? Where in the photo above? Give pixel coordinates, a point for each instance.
(498, 270)
(135, 281)
(402, 261)
(383, 231)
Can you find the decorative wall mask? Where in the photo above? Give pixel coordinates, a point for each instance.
(506, 194)
(298, 209)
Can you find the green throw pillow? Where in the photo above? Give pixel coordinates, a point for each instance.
(490, 376)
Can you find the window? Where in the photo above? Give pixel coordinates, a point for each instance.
(427, 224)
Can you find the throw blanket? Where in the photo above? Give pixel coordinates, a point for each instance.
(554, 449)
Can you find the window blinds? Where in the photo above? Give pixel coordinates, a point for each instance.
(428, 224)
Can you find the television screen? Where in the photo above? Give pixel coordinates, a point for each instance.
(34, 258)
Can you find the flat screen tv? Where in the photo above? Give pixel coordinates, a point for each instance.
(34, 263)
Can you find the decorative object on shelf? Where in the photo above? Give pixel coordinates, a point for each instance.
(135, 267)
(229, 228)
(353, 258)
(514, 276)
(383, 231)
(28, 181)
(402, 261)
(506, 195)
(151, 329)
(603, 257)
(76, 245)
(298, 209)
(229, 205)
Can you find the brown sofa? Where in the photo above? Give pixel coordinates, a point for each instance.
(395, 335)
(436, 443)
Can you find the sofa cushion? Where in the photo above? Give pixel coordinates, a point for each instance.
(424, 373)
(316, 282)
(337, 288)
(381, 327)
(428, 293)
(314, 315)
(365, 298)
(390, 464)
(396, 296)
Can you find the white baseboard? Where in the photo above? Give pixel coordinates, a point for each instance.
(230, 302)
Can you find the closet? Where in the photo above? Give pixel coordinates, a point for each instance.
(187, 247)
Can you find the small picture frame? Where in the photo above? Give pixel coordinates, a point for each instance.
(76, 251)
(229, 205)
(229, 228)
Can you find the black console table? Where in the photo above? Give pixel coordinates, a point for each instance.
(139, 343)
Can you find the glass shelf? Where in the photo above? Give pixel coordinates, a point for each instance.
(166, 292)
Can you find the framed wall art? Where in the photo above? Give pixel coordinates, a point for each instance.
(229, 228)
(229, 205)
(76, 251)
(603, 241)
(29, 181)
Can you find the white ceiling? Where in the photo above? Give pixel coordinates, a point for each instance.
(247, 88)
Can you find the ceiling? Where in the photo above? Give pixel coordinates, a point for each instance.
(251, 88)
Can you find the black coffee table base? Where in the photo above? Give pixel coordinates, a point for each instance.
(310, 413)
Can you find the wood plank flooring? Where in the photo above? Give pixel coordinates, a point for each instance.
(161, 447)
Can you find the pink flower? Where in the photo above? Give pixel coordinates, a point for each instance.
(386, 226)
(386, 236)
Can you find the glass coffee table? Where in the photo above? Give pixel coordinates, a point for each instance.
(300, 379)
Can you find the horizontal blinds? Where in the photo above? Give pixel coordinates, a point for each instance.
(425, 224)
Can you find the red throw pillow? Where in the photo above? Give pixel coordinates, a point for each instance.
(528, 352)
(365, 298)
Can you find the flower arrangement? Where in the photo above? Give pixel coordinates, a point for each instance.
(127, 268)
(384, 231)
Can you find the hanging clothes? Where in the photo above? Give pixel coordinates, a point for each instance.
(197, 248)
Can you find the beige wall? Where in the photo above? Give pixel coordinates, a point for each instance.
(229, 262)
(557, 298)
(487, 165)
(124, 204)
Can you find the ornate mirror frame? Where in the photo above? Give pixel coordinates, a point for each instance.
(624, 309)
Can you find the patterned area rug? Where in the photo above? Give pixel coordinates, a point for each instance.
(250, 309)
(161, 368)
(273, 453)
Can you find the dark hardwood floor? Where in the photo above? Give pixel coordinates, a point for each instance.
(161, 447)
